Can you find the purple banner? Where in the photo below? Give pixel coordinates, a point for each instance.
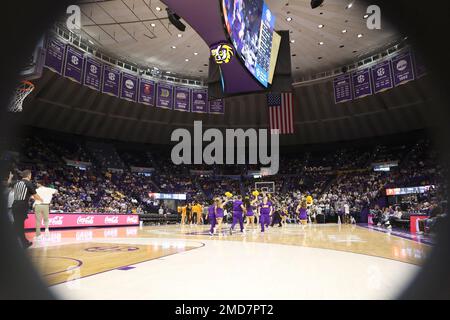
(217, 106)
(147, 92)
(342, 88)
(93, 73)
(164, 96)
(420, 67)
(402, 68)
(54, 56)
(74, 64)
(182, 99)
(129, 87)
(361, 83)
(382, 76)
(199, 101)
(111, 80)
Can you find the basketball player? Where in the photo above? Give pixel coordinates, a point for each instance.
(238, 211)
(42, 208)
(23, 191)
(302, 212)
(265, 211)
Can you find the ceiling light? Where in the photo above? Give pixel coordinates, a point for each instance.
(366, 16)
(90, 41)
(158, 9)
(292, 41)
(320, 26)
(173, 47)
(321, 43)
(195, 53)
(344, 31)
(349, 5)
(288, 19)
(180, 35)
(360, 35)
(153, 25)
(187, 60)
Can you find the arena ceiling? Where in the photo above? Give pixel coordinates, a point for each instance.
(139, 31)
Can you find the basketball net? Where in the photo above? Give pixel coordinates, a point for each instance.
(21, 92)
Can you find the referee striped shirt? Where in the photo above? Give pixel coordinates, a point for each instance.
(23, 190)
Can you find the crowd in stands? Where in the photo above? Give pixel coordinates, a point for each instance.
(339, 180)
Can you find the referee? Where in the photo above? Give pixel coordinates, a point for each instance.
(23, 191)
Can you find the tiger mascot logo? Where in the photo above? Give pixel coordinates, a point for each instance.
(223, 53)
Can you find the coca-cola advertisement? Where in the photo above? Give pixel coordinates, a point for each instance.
(72, 220)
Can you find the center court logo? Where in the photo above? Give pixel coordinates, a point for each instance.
(213, 153)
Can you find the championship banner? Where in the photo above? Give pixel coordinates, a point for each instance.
(73, 68)
(382, 77)
(199, 101)
(147, 92)
(164, 96)
(217, 106)
(402, 66)
(342, 88)
(419, 65)
(182, 99)
(54, 56)
(129, 87)
(93, 73)
(361, 83)
(111, 80)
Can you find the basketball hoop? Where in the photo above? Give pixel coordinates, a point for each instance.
(21, 92)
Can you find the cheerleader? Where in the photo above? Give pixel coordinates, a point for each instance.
(284, 215)
(238, 211)
(220, 212)
(302, 212)
(212, 217)
(250, 210)
(265, 211)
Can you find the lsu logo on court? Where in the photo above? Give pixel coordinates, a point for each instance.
(222, 53)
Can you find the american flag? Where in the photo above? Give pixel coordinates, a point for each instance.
(281, 112)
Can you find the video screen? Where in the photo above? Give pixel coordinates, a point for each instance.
(250, 25)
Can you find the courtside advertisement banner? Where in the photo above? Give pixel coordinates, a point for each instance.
(72, 220)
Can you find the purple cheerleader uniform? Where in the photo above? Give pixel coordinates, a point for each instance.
(219, 213)
(212, 217)
(303, 214)
(250, 212)
(265, 214)
(237, 215)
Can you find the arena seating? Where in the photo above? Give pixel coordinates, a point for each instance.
(332, 178)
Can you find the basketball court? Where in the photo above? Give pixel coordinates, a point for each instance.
(176, 262)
